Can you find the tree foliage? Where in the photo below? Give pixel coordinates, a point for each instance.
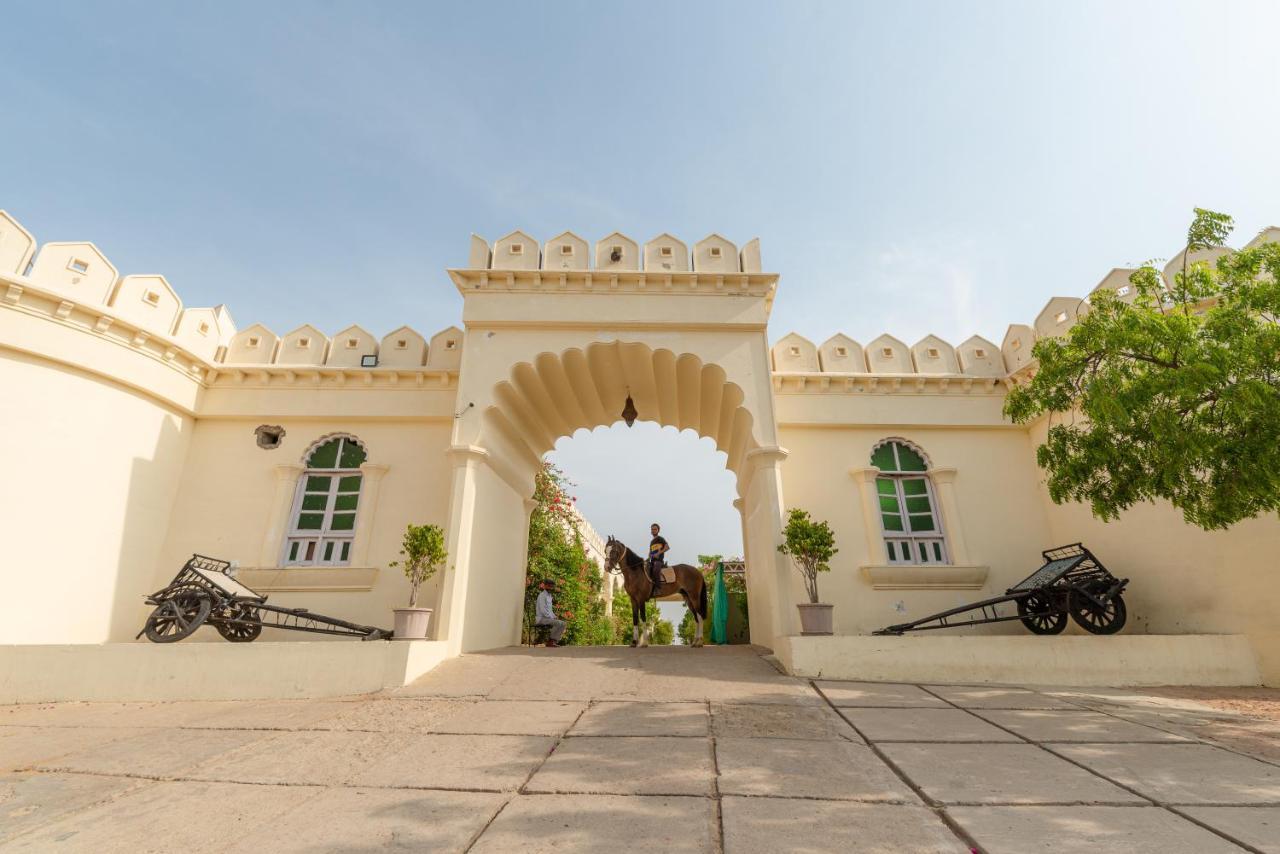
(423, 551)
(1174, 396)
(810, 545)
(734, 585)
(556, 553)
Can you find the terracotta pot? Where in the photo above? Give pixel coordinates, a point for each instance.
(412, 623)
(815, 619)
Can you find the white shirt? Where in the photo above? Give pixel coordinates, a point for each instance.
(542, 609)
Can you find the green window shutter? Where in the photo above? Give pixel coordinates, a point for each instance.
(350, 483)
(882, 458)
(343, 522)
(892, 521)
(315, 502)
(910, 460)
(318, 484)
(352, 455)
(346, 502)
(922, 522)
(325, 456)
(310, 521)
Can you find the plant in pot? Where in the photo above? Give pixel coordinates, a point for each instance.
(810, 545)
(423, 554)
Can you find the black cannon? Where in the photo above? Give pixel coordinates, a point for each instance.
(1071, 581)
(204, 591)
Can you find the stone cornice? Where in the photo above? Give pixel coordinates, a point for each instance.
(834, 383)
(329, 376)
(616, 281)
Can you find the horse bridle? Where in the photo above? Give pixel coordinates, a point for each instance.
(618, 563)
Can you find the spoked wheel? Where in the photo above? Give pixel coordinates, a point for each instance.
(1105, 620)
(1032, 609)
(177, 618)
(247, 627)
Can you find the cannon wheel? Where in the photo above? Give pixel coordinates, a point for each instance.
(241, 632)
(1099, 621)
(1031, 609)
(177, 618)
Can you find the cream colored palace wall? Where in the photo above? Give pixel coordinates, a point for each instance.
(91, 471)
(228, 491)
(1001, 516)
(1183, 579)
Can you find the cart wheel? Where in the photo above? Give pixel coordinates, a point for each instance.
(248, 629)
(1032, 609)
(177, 618)
(1099, 621)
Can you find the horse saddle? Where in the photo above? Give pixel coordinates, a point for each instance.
(668, 575)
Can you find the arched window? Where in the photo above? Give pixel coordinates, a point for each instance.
(908, 509)
(324, 508)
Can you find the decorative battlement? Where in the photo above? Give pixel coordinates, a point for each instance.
(886, 356)
(616, 253)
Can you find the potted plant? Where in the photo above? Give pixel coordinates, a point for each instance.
(810, 545)
(423, 552)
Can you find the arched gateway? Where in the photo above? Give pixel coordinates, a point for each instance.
(547, 353)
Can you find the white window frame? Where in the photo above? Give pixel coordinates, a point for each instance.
(313, 543)
(908, 547)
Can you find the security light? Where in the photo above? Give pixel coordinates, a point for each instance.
(368, 361)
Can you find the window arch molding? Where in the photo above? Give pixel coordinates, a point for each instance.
(326, 502)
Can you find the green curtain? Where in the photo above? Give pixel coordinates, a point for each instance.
(719, 608)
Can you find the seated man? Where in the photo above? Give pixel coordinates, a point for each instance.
(658, 549)
(544, 615)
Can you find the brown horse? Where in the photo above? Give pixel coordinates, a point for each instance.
(689, 583)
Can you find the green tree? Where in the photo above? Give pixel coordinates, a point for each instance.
(1174, 396)
(810, 545)
(423, 551)
(556, 553)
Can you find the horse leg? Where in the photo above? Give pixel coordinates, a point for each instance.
(700, 614)
(635, 624)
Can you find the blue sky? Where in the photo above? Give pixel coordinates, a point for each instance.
(910, 168)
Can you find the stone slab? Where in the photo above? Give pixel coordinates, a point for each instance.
(1001, 773)
(876, 694)
(780, 767)
(589, 824)
(513, 717)
(637, 718)
(1256, 826)
(151, 817)
(923, 725)
(1059, 725)
(733, 720)
(272, 714)
(308, 757)
(133, 715)
(973, 697)
(768, 825)
(25, 747)
(1086, 830)
(396, 715)
(476, 762)
(351, 820)
(641, 765)
(28, 800)
(1181, 773)
(159, 753)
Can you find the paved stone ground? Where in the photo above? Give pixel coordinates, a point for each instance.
(666, 749)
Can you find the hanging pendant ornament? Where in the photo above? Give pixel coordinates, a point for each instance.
(629, 412)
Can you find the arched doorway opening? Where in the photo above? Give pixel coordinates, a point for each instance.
(504, 430)
(626, 478)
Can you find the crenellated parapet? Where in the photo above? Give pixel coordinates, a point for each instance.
(931, 356)
(665, 253)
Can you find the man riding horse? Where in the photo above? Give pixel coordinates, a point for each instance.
(658, 549)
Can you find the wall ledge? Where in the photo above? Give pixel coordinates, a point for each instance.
(309, 579)
(935, 577)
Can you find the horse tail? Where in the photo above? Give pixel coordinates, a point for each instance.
(702, 600)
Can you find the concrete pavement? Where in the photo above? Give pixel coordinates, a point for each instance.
(674, 749)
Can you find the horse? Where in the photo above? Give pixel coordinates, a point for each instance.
(689, 583)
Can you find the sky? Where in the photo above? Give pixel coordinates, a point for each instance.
(911, 168)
